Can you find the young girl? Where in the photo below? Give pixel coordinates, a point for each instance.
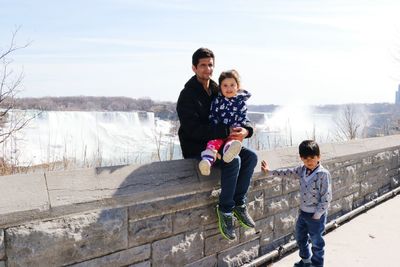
(229, 108)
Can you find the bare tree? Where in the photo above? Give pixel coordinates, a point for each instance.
(349, 123)
(10, 83)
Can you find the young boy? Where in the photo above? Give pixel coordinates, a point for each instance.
(315, 196)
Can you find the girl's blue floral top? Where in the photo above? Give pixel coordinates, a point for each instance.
(230, 111)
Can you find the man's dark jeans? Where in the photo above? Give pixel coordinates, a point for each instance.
(235, 179)
(308, 229)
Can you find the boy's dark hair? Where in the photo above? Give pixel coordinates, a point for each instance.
(229, 74)
(309, 148)
(201, 53)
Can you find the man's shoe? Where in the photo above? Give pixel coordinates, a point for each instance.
(243, 216)
(231, 150)
(225, 225)
(301, 263)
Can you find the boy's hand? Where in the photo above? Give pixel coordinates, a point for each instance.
(264, 166)
(316, 216)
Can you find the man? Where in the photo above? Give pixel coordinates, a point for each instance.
(195, 130)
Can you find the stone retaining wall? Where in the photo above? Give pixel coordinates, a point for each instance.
(162, 214)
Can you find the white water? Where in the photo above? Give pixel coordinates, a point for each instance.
(289, 125)
(90, 138)
(114, 138)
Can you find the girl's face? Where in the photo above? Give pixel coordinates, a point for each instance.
(229, 87)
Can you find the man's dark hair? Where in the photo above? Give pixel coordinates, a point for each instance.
(201, 53)
(309, 148)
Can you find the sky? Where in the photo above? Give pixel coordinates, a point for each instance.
(304, 52)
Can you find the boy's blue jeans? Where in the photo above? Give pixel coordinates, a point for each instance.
(308, 229)
(235, 179)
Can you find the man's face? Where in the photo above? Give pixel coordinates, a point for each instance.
(311, 162)
(204, 68)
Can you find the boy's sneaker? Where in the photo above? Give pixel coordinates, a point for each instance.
(243, 216)
(231, 150)
(225, 225)
(301, 263)
(205, 167)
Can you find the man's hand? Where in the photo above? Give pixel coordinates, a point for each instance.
(238, 133)
(264, 166)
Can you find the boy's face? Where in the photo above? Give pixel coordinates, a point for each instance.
(229, 87)
(311, 162)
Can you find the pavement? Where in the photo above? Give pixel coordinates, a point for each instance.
(370, 239)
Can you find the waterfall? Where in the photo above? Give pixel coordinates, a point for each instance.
(87, 138)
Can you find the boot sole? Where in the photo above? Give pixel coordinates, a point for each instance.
(232, 151)
(204, 167)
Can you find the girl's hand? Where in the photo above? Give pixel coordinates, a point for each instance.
(264, 166)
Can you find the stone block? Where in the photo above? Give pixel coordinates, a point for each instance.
(290, 185)
(367, 161)
(210, 261)
(383, 190)
(284, 223)
(294, 199)
(273, 191)
(383, 176)
(266, 239)
(371, 196)
(395, 181)
(2, 264)
(150, 229)
(350, 173)
(358, 202)
(169, 205)
(276, 205)
(372, 175)
(381, 157)
(239, 255)
(346, 191)
(178, 250)
(367, 187)
(255, 204)
(2, 249)
(121, 258)
(25, 196)
(210, 230)
(335, 207)
(192, 219)
(274, 244)
(268, 183)
(347, 203)
(216, 243)
(67, 240)
(141, 264)
(346, 178)
(394, 158)
(263, 227)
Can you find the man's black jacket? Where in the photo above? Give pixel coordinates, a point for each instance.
(193, 109)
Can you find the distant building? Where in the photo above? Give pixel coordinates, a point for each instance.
(398, 96)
